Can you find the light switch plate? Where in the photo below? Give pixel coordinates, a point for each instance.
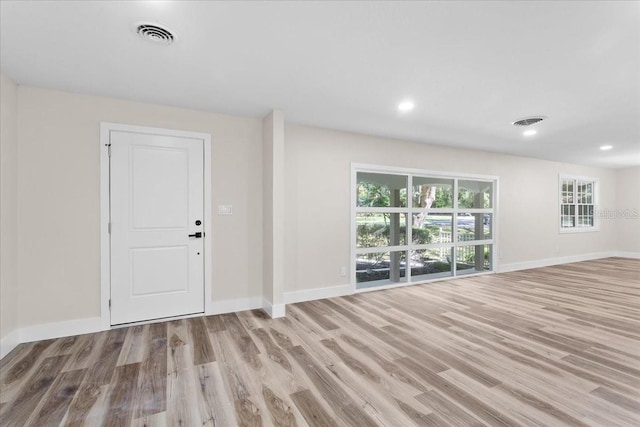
(225, 210)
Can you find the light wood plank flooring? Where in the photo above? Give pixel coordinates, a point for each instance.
(551, 346)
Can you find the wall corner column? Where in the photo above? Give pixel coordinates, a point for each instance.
(9, 289)
(273, 219)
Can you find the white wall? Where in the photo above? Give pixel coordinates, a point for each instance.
(317, 212)
(58, 184)
(8, 211)
(627, 213)
(50, 203)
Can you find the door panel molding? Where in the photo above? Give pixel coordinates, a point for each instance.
(105, 250)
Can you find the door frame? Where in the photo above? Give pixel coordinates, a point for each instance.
(105, 207)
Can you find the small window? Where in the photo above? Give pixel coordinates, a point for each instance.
(578, 196)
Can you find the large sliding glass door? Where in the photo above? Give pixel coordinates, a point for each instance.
(411, 226)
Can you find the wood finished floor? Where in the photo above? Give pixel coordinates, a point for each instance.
(551, 346)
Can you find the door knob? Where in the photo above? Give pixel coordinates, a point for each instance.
(197, 234)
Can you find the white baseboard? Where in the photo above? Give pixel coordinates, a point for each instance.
(504, 268)
(233, 305)
(273, 310)
(95, 324)
(317, 293)
(278, 310)
(49, 331)
(9, 342)
(61, 329)
(634, 255)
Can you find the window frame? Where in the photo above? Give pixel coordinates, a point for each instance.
(595, 190)
(409, 209)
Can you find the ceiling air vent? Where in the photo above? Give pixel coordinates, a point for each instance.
(155, 33)
(528, 121)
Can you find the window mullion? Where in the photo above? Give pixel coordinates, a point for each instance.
(575, 201)
(454, 229)
(409, 229)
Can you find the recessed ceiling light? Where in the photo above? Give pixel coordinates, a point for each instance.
(405, 106)
(606, 147)
(529, 132)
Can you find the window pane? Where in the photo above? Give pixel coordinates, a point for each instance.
(381, 229)
(431, 263)
(474, 194)
(585, 192)
(381, 268)
(585, 215)
(431, 228)
(473, 226)
(473, 259)
(432, 192)
(567, 216)
(567, 191)
(381, 190)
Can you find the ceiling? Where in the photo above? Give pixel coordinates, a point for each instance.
(471, 68)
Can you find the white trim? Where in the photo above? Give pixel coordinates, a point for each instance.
(620, 254)
(65, 328)
(367, 167)
(495, 219)
(105, 252)
(274, 311)
(401, 248)
(234, 305)
(353, 284)
(526, 265)
(421, 282)
(278, 310)
(105, 218)
(384, 210)
(418, 209)
(572, 230)
(267, 307)
(318, 293)
(208, 227)
(575, 177)
(68, 328)
(9, 342)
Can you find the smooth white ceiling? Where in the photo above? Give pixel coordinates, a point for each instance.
(470, 67)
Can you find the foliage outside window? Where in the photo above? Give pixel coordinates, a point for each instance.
(413, 227)
(577, 204)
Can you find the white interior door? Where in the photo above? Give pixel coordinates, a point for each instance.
(157, 223)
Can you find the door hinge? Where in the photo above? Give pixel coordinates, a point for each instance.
(109, 304)
(108, 149)
(109, 228)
